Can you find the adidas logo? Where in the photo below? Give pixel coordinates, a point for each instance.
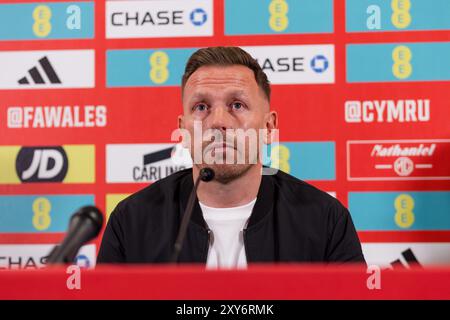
(37, 76)
(410, 258)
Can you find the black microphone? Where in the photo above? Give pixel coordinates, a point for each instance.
(84, 225)
(206, 175)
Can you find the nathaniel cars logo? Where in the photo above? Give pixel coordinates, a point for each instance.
(296, 64)
(157, 18)
(398, 160)
(144, 162)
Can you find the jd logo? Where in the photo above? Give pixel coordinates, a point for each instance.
(41, 164)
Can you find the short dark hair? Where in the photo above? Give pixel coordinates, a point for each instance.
(226, 56)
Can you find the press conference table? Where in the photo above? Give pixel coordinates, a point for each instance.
(268, 282)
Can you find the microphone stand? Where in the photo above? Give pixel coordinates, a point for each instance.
(206, 174)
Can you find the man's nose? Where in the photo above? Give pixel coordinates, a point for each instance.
(220, 118)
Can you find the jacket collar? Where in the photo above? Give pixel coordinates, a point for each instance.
(263, 206)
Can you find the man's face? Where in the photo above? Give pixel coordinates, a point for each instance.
(223, 98)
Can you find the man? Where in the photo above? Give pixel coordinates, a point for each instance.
(241, 216)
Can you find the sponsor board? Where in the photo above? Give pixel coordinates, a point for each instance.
(39, 213)
(292, 64)
(398, 160)
(142, 163)
(295, 64)
(388, 111)
(401, 15)
(66, 164)
(304, 160)
(398, 62)
(278, 17)
(47, 69)
(34, 256)
(400, 210)
(156, 18)
(47, 20)
(405, 255)
(146, 67)
(87, 116)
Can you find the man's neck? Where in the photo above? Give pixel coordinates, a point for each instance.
(237, 192)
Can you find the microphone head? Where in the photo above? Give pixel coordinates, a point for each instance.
(84, 225)
(91, 213)
(207, 174)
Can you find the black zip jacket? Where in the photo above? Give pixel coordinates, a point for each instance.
(291, 221)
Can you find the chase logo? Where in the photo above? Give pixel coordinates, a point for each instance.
(36, 21)
(39, 213)
(398, 62)
(67, 164)
(278, 16)
(146, 68)
(198, 17)
(82, 261)
(304, 160)
(319, 63)
(35, 256)
(393, 211)
(397, 15)
(296, 64)
(159, 18)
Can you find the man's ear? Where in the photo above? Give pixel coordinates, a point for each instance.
(271, 125)
(185, 141)
(180, 121)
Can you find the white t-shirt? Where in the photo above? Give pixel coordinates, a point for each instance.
(226, 250)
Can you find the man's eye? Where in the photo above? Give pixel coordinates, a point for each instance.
(237, 105)
(200, 107)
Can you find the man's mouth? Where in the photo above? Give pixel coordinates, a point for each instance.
(219, 147)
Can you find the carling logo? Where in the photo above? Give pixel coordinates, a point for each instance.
(144, 162)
